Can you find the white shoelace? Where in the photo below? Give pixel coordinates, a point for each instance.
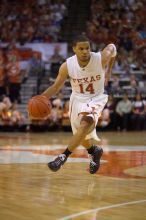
(60, 159)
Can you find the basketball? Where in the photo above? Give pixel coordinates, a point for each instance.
(39, 107)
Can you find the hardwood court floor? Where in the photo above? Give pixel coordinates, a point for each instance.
(30, 191)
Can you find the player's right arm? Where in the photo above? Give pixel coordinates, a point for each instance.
(108, 55)
(59, 82)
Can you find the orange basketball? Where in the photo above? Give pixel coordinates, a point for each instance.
(39, 107)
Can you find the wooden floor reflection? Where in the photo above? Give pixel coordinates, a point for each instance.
(29, 190)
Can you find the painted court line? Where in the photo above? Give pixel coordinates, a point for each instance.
(101, 208)
(29, 154)
(56, 147)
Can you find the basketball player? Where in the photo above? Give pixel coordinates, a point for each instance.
(88, 73)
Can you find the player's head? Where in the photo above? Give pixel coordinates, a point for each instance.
(81, 47)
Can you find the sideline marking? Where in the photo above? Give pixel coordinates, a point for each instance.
(10, 154)
(57, 146)
(101, 208)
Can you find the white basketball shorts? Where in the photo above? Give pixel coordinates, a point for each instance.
(92, 106)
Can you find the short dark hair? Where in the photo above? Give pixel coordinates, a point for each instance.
(80, 38)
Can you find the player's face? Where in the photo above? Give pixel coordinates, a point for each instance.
(82, 50)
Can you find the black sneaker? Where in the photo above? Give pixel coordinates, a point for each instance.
(56, 164)
(95, 160)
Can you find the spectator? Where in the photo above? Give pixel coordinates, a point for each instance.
(123, 110)
(111, 105)
(14, 77)
(104, 119)
(6, 100)
(65, 115)
(58, 101)
(55, 60)
(2, 74)
(17, 118)
(133, 84)
(115, 87)
(2, 107)
(6, 116)
(34, 65)
(138, 113)
(56, 115)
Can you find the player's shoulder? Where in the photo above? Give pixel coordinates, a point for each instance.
(71, 58)
(95, 54)
(63, 65)
(63, 68)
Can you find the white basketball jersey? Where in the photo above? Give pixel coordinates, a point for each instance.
(88, 80)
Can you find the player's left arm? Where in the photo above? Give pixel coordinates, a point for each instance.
(108, 56)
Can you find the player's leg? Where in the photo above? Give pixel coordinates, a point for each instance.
(86, 126)
(95, 152)
(91, 141)
(83, 121)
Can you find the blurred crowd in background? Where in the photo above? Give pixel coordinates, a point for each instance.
(122, 22)
(31, 20)
(120, 115)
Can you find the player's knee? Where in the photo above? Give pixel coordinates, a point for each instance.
(87, 122)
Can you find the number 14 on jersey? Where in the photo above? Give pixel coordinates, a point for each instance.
(86, 88)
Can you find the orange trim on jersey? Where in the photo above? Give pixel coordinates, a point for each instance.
(88, 113)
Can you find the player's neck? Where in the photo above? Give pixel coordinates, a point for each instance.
(83, 64)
